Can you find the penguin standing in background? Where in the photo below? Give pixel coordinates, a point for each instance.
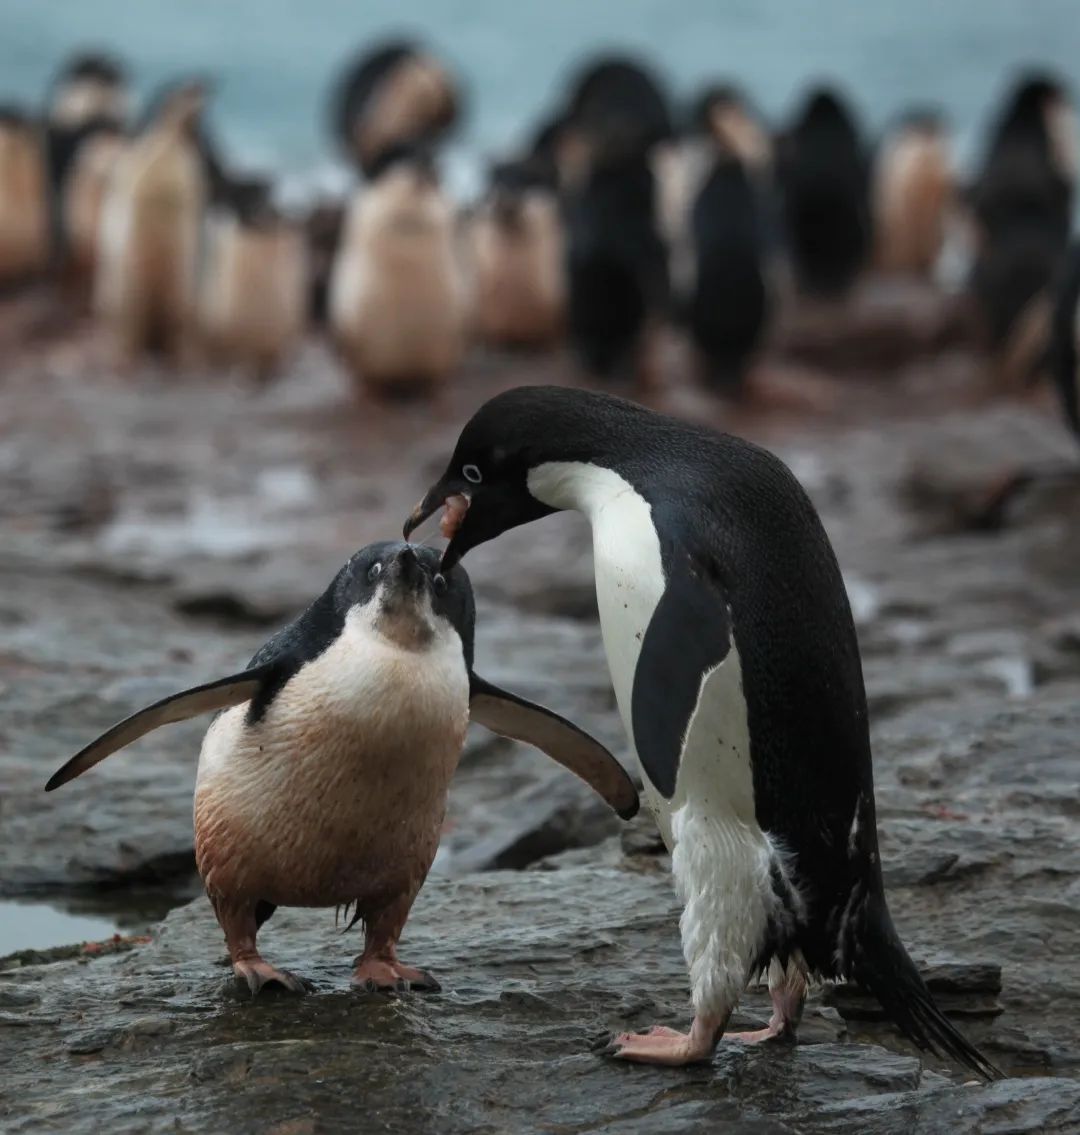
(516, 257)
(1064, 346)
(83, 200)
(24, 199)
(253, 286)
(89, 94)
(394, 96)
(616, 116)
(616, 266)
(1022, 206)
(323, 781)
(823, 178)
(728, 308)
(399, 302)
(151, 228)
(723, 113)
(912, 191)
(323, 228)
(618, 106)
(736, 670)
(1058, 350)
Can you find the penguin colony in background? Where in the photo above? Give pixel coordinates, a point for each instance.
(736, 670)
(620, 216)
(323, 778)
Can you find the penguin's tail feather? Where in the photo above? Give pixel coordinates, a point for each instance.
(879, 963)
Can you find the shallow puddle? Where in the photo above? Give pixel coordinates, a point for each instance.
(37, 925)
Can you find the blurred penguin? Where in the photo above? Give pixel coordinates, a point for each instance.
(1059, 352)
(723, 113)
(823, 177)
(516, 257)
(395, 95)
(323, 228)
(89, 94)
(1028, 174)
(1022, 206)
(253, 285)
(616, 109)
(728, 307)
(913, 187)
(145, 284)
(399, 303)
(1063, 353)
(720, 120)
(24, 199)
(617, 115)
(82, 204)
(617, 270)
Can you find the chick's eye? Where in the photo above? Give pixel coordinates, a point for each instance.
(472, 474)
(374, 571)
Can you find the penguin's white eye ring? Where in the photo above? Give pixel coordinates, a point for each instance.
(374, 571)
(472, 474)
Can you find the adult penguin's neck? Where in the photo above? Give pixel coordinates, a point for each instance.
(589, 487)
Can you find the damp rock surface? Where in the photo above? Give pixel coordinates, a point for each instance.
(535, 966)
(156, 530)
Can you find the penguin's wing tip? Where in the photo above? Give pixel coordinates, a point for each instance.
(515, 717)
(226, 692)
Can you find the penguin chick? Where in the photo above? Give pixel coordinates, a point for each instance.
(516, 256)
(145, 282)
(399, 303)
(90, 88)
(913, 187)
(253, 287)
(324, 780)
(83, 200)
(396, 95)
(24, 203)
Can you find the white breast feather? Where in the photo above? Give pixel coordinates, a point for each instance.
(720, 857)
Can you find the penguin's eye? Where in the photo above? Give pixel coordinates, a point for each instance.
(472, 474)
(374, 571)
(439, 583)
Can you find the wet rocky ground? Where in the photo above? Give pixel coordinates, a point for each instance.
(155, 530)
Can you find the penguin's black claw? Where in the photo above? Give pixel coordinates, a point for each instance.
(259, 976)
(603, 1044)
(424, 983)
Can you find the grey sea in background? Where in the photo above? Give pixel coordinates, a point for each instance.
(275, 59)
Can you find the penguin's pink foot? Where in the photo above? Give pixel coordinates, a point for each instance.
(662, 1045)
(258, 973)
(759, 1036)
(377, 975)
(788, 991)
(374, 975)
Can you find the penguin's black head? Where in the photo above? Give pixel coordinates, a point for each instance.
(400, 586)
(485, 488)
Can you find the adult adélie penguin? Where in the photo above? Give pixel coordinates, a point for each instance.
(737, 674)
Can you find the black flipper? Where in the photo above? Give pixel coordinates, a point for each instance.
(222, 694)
(878, 962)
(522, 720)
(688, 635)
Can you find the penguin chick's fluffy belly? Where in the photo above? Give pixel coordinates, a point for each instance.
(338, 794)
(721, 859)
